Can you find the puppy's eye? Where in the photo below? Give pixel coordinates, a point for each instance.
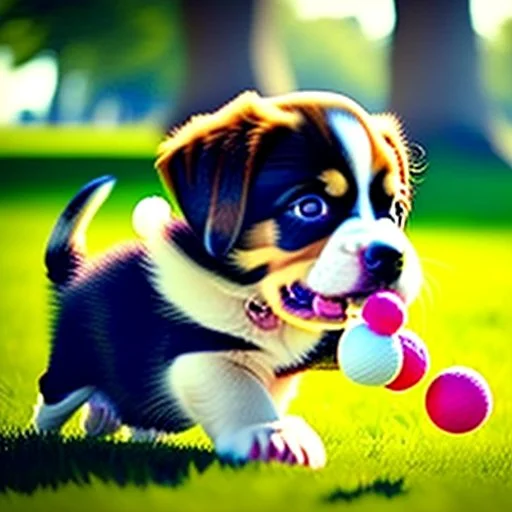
(310, 207)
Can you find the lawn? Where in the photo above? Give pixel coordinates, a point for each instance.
(384, 454)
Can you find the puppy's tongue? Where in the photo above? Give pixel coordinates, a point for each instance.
(326, 308)
(261, 315)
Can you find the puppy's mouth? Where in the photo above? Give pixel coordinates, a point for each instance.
(299, 305)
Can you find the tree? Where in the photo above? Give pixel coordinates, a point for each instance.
(145, 50)
(435, 80)
(130, 49)
(217, 49)
(229, 47)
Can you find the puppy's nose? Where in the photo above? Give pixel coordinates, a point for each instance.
(383, 262)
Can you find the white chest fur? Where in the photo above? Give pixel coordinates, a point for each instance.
(218, 304)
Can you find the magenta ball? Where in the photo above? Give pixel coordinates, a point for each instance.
(384, 312)
(415, 364)
(458, 400)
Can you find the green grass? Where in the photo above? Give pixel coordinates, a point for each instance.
(375, 439)
(126, 141)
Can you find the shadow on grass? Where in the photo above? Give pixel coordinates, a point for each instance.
(384, 488)
(31, 461)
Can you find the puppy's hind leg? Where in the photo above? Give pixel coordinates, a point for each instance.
(48, 417)
(101, 418)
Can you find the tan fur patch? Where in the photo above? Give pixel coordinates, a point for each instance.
(263, 234)
(391, 184)
(336, 184)
(254, 258)
(310, 252)
(275, 257)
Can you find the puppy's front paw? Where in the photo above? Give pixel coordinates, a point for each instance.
(290, 440)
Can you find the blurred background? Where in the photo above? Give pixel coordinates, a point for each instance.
(446, 67)
(89, 85)
(97, 84)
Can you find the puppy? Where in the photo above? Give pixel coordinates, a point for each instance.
(292, 212)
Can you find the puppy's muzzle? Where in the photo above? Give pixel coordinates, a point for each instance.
(383, 262)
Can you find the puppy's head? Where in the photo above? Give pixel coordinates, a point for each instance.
(303, 196)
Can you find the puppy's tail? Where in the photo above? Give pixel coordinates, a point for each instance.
(66, 247)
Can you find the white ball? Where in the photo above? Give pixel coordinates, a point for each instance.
(368, 358)
(150, 215)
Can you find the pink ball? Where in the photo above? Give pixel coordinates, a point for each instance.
(416, 362)
(384, 312)
(458, 400)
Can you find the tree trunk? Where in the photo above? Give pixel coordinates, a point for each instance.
(435, 79)
(218, 54)
(230, 47)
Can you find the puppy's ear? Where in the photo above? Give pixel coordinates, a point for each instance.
(409, 158)
(208, 165)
